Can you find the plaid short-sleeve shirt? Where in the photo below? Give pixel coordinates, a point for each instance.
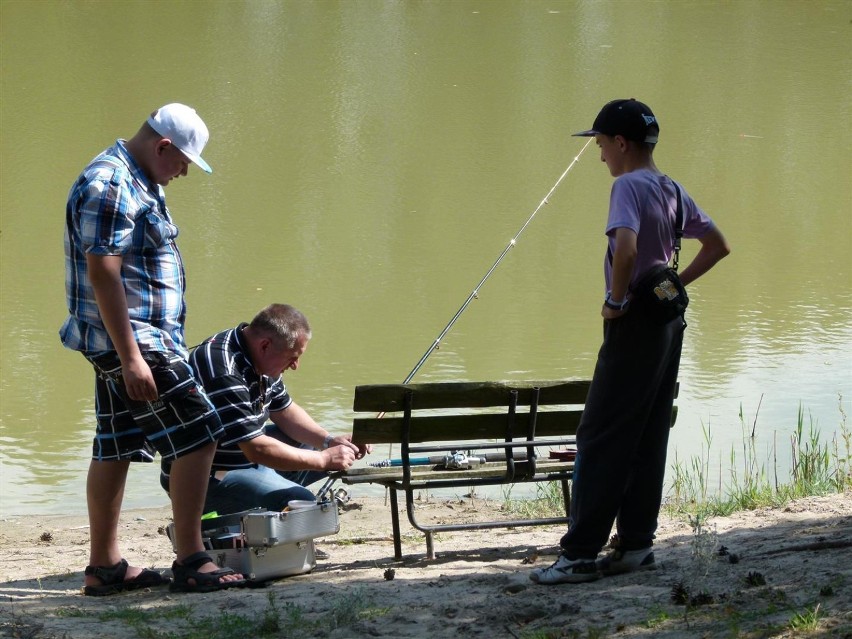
(113, 209)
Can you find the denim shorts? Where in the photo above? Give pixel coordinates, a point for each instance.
(181, 420)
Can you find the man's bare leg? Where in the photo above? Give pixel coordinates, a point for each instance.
(104, 494)
(188, 480)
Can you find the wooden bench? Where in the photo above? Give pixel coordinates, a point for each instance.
(502, 426)
(507, 425)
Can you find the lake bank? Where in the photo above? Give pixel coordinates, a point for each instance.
(476, 587)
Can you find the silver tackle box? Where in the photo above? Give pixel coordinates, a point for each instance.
(289, 526)
(266, 545)
(259, 563)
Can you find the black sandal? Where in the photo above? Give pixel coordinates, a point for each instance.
(204, 581)
(112, 579)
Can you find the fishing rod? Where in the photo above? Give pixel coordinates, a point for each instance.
(456, 460)
(475, 293)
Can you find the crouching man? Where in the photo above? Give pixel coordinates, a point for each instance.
(259, 464)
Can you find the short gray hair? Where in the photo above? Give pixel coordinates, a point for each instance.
(283, 324)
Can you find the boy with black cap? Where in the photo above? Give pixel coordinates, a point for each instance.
(623, 433)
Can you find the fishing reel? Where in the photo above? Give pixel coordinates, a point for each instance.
(459, 460)
(455, 460)
(327, 492)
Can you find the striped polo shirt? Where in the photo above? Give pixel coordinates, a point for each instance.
(113, 209)
(242, 398)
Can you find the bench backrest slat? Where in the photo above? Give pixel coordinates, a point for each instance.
(568, 395)
(389, 398)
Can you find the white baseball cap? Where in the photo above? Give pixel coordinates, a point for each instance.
(181, 124)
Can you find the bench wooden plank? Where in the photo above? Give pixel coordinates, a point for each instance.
(438, 428)
(390, 397)
(427, 473)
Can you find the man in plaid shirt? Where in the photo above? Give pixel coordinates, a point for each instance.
(125, 292)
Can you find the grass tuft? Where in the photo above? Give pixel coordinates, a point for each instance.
(547, 502)
(807, 621)
(818, 468)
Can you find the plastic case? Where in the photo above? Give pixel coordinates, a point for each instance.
(272, 529)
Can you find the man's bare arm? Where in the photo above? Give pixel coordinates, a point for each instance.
(105, 275)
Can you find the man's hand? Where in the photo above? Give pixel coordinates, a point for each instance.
(138, 380)
(339, 457)
(360, 449)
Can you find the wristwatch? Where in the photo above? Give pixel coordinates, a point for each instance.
(327, 442)
(616, 306)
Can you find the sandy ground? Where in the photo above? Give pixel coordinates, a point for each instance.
(477, 586)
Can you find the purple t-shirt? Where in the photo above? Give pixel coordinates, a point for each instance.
(646, 203)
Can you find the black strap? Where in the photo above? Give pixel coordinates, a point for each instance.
(678, 225)
(678, 229)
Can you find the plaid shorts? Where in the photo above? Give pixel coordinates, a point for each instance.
(180, 421)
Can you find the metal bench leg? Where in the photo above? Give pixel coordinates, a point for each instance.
(409, 506)
(397, 540)
(566, 497)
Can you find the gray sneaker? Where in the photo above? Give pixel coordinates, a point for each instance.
(621, 561)
(566, 571)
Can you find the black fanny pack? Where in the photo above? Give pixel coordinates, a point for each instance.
(660, 294)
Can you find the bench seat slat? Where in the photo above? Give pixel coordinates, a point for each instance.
(427, 473)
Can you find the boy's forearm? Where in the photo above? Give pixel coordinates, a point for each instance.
(714, 247)
(623, 260)
(622, 270)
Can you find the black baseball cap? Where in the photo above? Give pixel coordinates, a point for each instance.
(629, 118)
